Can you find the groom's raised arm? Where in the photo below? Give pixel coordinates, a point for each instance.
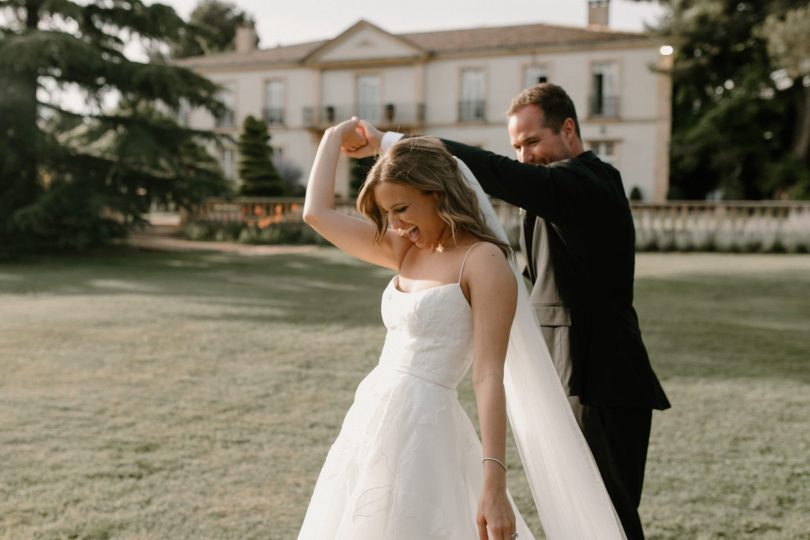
(542, 190)
(545, 191)
(494, 173)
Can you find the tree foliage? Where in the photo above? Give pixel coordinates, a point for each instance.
(290, 174)
(256, 167)
(215, 23)
(788, 39)
(358, 171)
(740, 108)
(75, 179)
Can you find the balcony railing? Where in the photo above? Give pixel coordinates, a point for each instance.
(385, 115)
(472, 110)
(603, 106)
(273, 115)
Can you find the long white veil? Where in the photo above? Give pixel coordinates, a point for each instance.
(566, 485)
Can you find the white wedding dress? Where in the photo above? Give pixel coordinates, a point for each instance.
(407, 462)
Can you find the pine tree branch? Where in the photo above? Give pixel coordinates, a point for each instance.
(69, 59)
(63, 8)
(163, 126)
(154, 21)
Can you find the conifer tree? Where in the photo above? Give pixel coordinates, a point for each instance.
(256, 168)
(77, 178)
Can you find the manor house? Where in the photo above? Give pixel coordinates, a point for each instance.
(454, 84)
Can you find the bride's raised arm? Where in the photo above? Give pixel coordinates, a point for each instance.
(352, 235)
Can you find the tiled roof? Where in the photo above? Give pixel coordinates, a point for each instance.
(438, 42)
(512, 37)
(288, 54)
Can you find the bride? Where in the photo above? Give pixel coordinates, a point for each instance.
(407, 463)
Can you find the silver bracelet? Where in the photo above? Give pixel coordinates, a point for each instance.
(496, 460)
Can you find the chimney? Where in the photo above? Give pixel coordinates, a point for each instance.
(598, 13)
(245, 38)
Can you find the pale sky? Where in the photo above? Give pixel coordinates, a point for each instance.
(298, 21)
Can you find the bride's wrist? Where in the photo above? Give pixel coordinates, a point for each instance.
(494, 487)
(494, 479)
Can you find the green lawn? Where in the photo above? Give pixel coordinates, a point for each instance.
(155, 395)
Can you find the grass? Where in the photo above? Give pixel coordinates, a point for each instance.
(155, 395)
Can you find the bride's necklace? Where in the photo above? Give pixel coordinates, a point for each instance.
(441, 248)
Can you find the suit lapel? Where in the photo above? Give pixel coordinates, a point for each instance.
(527, 237)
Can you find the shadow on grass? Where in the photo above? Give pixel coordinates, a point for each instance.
(322, 287)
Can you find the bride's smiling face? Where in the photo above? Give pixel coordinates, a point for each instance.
(411, 213)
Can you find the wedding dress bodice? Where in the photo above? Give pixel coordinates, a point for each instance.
(430, 333)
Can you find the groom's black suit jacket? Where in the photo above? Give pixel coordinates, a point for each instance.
(592, 249)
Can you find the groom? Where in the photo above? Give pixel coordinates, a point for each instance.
(579, 241)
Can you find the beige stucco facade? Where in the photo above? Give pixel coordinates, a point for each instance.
(422, 83)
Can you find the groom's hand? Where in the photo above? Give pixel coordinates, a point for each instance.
(373, 138)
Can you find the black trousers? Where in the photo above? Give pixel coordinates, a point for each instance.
(618, 438)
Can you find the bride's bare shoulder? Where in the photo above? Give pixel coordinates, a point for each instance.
(487, 267)
(482, 252)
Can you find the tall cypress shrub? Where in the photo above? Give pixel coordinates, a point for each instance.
(256, 169)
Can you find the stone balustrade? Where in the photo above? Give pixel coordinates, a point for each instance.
(676, 225)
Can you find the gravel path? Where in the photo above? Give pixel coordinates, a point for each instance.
(159, 242)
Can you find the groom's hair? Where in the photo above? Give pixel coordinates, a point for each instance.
(555, 103)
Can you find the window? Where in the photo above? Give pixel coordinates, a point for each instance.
(274, 102)
(368, 98)
(473, 99)
(604, 99)
(229, 163)
(228, 97)
(606, 150)
(534, 75)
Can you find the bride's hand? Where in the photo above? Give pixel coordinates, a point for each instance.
(350, 135)
(495, 517)
(372, 139)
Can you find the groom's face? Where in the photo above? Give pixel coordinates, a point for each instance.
(533, 141)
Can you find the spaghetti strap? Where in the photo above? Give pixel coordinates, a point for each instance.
(461, 271)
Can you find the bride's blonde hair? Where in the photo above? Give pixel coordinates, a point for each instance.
(424, 163)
